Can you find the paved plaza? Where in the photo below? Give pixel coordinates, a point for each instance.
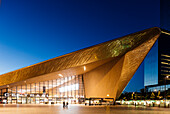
(80, 109)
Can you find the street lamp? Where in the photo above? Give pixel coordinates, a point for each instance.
(165, 90)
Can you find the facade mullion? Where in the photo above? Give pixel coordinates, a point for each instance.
(79, 86)
(16, 96)
(21, 93)
(75, 88)
(35, 93)
(11, 95)
(26, 93)
(30, 93)
(71, 86)
(39, 92)
(56, 87)
(59, 90)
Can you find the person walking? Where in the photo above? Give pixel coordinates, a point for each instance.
(67, 104)
(64, 104)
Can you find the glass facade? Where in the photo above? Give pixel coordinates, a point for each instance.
(157, 65)
(151, 66)
(158, 88)
(69, 89)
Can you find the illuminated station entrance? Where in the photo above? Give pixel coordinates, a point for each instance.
(68, 89)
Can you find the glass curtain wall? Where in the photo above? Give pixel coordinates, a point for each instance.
(68, 89)
(158, 88)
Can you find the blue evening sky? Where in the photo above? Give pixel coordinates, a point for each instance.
(32, 31)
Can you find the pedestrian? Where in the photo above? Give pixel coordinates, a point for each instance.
(64, 104)
(67, 104)
(153, 104)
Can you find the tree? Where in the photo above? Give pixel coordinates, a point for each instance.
(152, 95)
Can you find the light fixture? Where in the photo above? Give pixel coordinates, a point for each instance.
(60, 75)
(155, 90)
(84, 68)
(107, 95)
(167, 76)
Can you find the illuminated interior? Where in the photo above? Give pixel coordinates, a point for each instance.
(68, 89)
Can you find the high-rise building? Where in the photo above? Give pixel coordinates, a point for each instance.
(157, 62)
(165, 14)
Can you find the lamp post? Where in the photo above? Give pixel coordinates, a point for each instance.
(165, 90)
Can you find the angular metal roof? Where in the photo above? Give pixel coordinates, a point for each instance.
(98, 53)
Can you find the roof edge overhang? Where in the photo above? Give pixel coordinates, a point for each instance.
(100, 52)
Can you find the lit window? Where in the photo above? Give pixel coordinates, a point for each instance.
(69, 88)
